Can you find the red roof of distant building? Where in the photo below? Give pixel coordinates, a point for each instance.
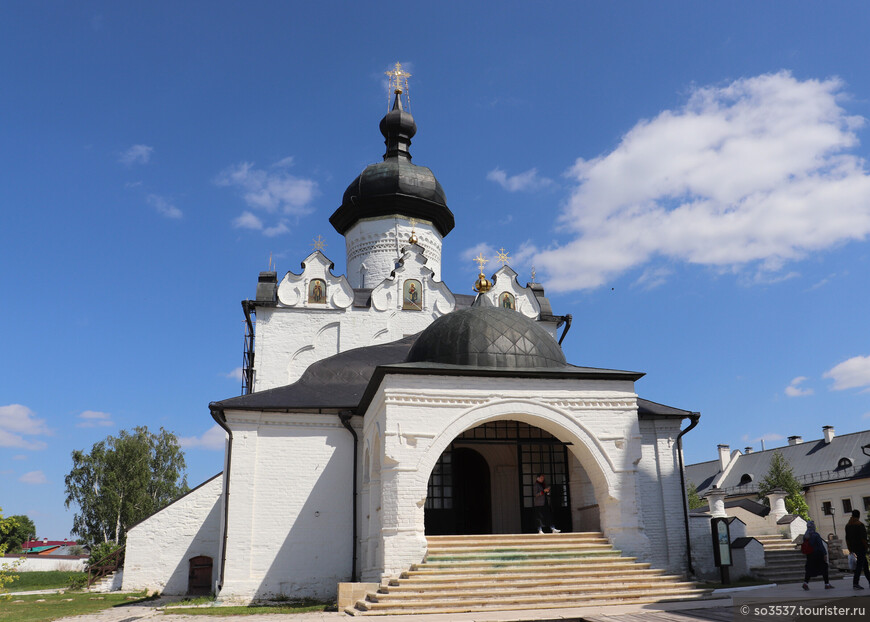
(34, 543)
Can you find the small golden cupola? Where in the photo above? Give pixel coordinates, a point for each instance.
(482, 285)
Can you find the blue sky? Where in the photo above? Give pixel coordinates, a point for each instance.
(690, 181)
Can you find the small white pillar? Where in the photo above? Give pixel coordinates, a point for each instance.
(777, 503)
(716, 499)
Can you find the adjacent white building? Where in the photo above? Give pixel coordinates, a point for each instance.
(382, 407)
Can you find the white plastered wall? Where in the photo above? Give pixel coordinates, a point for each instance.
(295, 333)
(289, 524)
(661, 491)
(414, 418)
(159, 548)
(374, 245)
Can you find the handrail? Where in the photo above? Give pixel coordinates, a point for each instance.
(100, 569)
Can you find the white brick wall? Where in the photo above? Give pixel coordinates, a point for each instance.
(415, 418)
(290, 525)
(160, 547)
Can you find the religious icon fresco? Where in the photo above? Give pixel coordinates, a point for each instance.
(317, 291)
(412, 295)
(506, 301)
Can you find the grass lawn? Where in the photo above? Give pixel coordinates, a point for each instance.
(44, 607)
(43, 580)
(300, 606)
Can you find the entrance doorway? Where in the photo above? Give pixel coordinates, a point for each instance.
(199, 575)
(462, 498)
(458, 500)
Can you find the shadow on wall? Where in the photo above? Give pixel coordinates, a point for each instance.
(316, 553)
(205, 543)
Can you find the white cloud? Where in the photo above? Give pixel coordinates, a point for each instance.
(137, 154)
(33, 477)
(794, 390)
(754, 173)
(248, 221)
(18, 421)
(94, 419)
(213, 438)
(851, 373)
(273, 190)
(277, 229)
(653, 277)
(163, 206)
(236, 374)
(529, 180)
(866, 415)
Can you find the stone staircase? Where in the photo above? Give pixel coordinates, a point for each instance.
(512, 572)
(784, 562)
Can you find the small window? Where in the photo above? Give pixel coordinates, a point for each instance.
(844, 463)
(746, 479)
(867, 504)
(847, 506)
(827, 508)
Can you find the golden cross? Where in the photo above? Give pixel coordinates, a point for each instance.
(481, 261)
(398, 79)
(319, 243)
(503, 256)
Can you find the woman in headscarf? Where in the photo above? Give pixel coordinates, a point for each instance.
(817, 559)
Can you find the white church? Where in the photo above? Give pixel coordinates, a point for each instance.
(382, 409)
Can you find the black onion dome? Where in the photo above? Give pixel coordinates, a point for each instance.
(487, 337)
(395, 186)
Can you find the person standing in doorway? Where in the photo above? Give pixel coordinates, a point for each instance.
(542, 504)
(856, 540)
(817, 556)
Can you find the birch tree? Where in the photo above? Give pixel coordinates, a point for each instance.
(123, 480)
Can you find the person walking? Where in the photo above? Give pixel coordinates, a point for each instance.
(817, 556)
(856, 541)
(542, 504)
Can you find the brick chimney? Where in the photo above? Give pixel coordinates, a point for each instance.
(828, 431)
(724, 456)
(795, 440)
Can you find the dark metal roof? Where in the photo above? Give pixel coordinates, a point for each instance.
(813, 462)
(336, 382)
(759, 509)
(487, 337)
(395, 186)
(646, 408)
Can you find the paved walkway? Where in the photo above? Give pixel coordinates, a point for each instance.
(722, 606)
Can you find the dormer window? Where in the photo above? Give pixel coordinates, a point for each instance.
(844, 463)
(745, 479)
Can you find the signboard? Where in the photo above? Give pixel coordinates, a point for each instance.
(721, 541)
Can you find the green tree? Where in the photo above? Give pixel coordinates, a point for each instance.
(781, 475)
(20, 530)
(695, 501)
(123, 480)
(6, 576)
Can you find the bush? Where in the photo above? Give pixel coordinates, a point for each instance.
(78, 581)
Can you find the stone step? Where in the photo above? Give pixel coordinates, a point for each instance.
(528, 564)
(548, 544)
(531, 589)
(531, 586)
(611, 597)
(542, 573)
(522, 571)
(514, 537)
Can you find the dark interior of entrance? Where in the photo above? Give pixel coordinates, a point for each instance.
(463, 498)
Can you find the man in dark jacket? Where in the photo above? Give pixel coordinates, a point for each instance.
(856, 541)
